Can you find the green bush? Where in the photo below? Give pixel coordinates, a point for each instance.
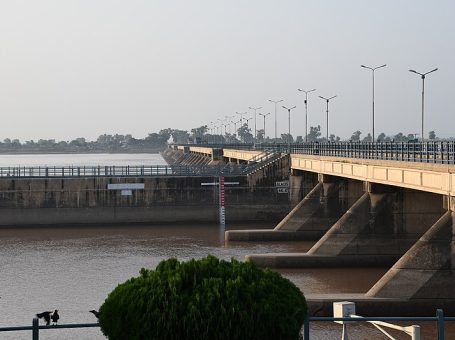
(204, 299)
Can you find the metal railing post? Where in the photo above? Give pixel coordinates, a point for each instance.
(35, 330)
(440, 324)
(306, 328)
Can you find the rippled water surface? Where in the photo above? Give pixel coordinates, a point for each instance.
(73, 269)
(90, 159)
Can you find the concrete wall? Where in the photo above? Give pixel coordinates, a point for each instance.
(163, 199)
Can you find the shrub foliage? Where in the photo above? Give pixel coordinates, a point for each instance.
(204, 299)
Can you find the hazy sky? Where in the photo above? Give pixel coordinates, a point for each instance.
(88, 67)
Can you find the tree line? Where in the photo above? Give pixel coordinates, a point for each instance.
(157, 141)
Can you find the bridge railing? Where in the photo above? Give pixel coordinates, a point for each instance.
(439, 319)
(124, 171)
(427, 152)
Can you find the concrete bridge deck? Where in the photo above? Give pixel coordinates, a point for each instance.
(431, 177)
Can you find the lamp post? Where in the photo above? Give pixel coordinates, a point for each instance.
(241, 116)
(248, 122)
(422, 75)
(264, 115)
(289, 121)
(226, 125)
(327, 101)
(211, 128)
(255, 115)
(228, 121)
(235, 125)
(275, 102)
(372, 71)
(306, 111)
(221, 122)
(247, 126)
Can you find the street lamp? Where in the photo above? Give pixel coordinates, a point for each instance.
(235, 125)
(264, 115)
(275, 102)
(289, 121)
(221, 122)
(372, 71)
(422, 75)
(248, 122)
(306, 111)
(226, 125)
(255, 115)
(327, 101)
(247, 126)
(228, 120)
(241, 116)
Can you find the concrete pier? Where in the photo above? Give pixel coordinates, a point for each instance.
(308, 220)
(426, 271)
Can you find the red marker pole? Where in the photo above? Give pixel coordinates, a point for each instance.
(222, 209)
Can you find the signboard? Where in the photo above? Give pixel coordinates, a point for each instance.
(282, 190)
(126, 192)
(125, 186)
(282, 184)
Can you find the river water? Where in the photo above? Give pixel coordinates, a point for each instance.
(73, 269)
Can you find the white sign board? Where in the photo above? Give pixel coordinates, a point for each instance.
(126, 192)
(282, 184)
(125, 186)
(282, 190)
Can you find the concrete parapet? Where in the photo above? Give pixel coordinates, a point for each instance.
(264, 235)
(303, 260)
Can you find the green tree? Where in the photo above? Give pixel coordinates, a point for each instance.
(180, 136)
(432, 135)
(260, 135)
(244, 133)
(356, 136)
(287, 138)
(314, 134)
(399, 137)
(367, 138)
(199, 131)
(204, 299)
(381, 137)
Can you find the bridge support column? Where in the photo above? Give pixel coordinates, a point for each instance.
(309, 219)
(375, 231)
(426, 271)
(217, 154)
(312, 217)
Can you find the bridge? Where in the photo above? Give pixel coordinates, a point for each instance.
(364, 204)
